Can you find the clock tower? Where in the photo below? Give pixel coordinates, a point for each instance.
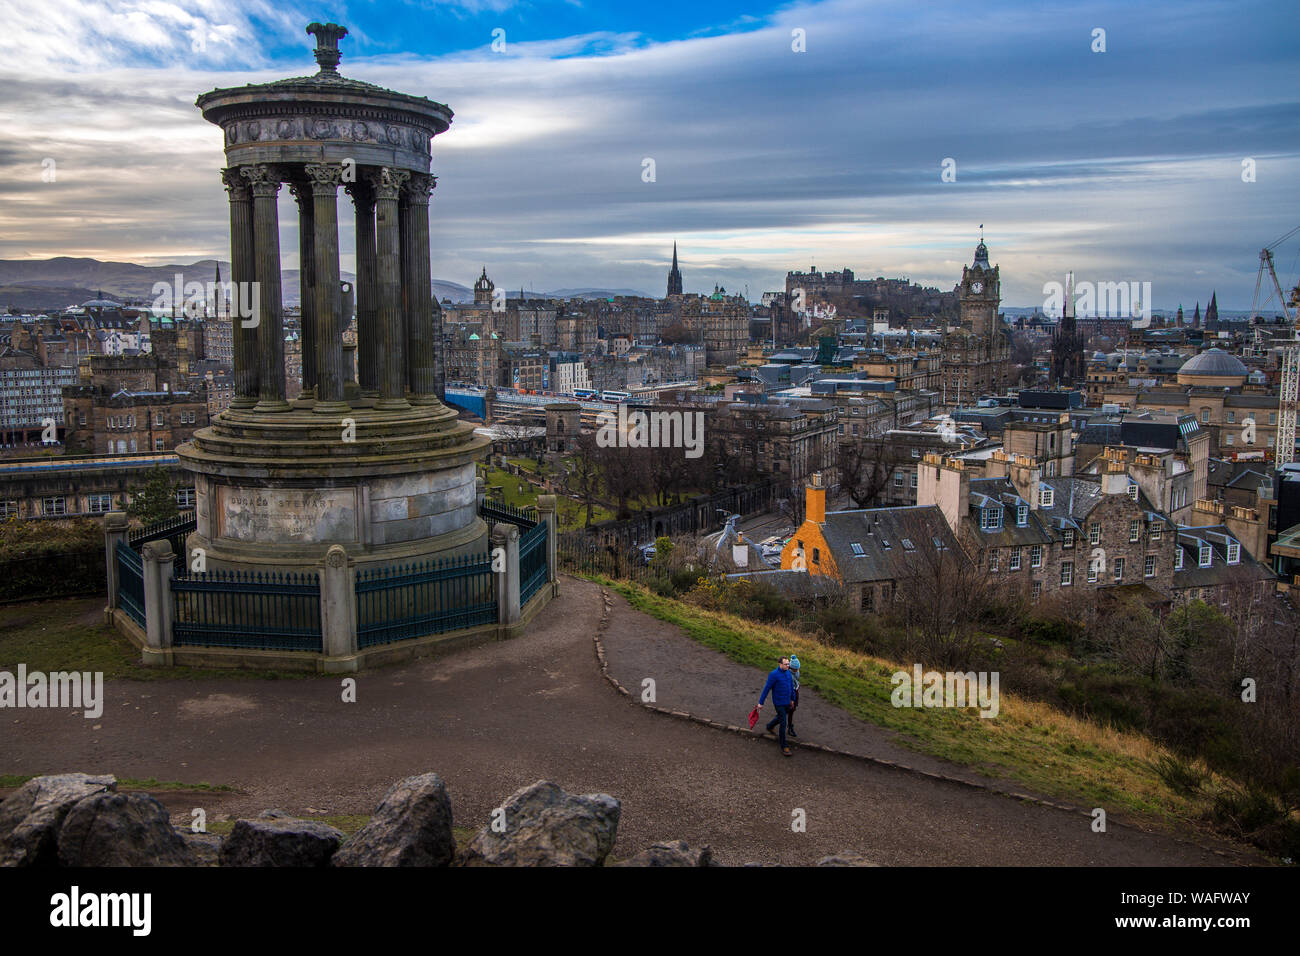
(980, 296)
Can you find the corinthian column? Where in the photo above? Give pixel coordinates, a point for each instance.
(421, 348)
(325, 179)
(242, 271)
(302, 194)
(363, 198)
(387, 183)
(264, 182)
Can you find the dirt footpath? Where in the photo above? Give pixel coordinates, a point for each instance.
(499, 717)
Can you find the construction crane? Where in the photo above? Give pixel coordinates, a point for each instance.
(1290, 392)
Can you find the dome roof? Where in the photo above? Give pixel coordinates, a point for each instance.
(1214, 362)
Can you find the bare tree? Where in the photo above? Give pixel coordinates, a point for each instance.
(865, 468)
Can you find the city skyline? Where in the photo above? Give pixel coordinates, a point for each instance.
(1119, 166)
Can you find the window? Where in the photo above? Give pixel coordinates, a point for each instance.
(1046, 497)
(912, 481)
(1157, 530)
(1036, 556)
(993, 560)
(1067, 574)
(1093, 572)
(868, 598)
(907, 545)
(1067, 538)
(1022, 515)
(1037, 590)
(1119, 569)
(991, 518)
(81, 419)
(817, 556)
(1133, 491)
(54, 506)
(8, 509)
(1232, 416)
(157, 419)
(99, 504)
(1205, 415)
(1015, 559)
(1227, 438)
(916, 452)
(1205, 555)
(1234, 552)
(158, 444)
(857, 548)
(1178, 559)
(1149, 566)
(898, 478)
(1272, 418)
(1094, 534)
(185, 497)
(1135, 529)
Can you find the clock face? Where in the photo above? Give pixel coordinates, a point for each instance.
(977, 287)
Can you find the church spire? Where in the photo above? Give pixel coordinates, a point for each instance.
(674, 276)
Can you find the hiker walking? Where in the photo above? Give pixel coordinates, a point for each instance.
(781, 684)
(794, 693)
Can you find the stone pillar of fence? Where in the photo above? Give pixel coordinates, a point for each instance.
(506, 537)
(546, 511)
(158, 560)
(338, 610)
(116, 528)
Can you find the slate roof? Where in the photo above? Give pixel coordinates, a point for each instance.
(1220, 571)
(883, 535)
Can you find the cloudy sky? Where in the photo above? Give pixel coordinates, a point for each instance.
(1125, 164)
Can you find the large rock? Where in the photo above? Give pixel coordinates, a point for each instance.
(121, 829)
(205, 848)
(544, 826)
(279, 842)
(845, 859)
(31, 816)
(676, 853)
(410, 827)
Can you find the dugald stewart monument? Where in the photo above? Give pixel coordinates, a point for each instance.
(371, 461)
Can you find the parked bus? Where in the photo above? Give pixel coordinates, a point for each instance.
(609, 396)
(584, 393)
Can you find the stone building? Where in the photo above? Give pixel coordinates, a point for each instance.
(563, 425)
(760, 440)
(977, 356)
(473, 355)
(720, 323)
(81, 487)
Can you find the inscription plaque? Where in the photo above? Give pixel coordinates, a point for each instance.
(298, 515)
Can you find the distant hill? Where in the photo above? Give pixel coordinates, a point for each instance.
(584, 294)
(46, 284)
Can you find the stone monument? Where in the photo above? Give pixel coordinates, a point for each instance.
(379, 466)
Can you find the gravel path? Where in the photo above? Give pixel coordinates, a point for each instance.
(498, 717)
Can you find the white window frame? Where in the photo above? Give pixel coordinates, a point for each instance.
(1046, 497)
(1234, 552)
(1178, 559)
(1067, 538)
(1036, 556)
(1118, 565)
(1205, 556)
(1094, 534)
(61, 509)
(1135, 529)
(1067, 574)
(1014, 563)
(1149, 566)
(1022, 515)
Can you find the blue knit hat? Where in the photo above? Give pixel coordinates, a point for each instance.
(794, 663)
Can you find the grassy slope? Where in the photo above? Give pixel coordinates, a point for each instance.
(1046, 751)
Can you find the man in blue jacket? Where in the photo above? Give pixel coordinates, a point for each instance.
(781, 684)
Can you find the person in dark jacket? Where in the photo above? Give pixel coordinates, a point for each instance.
(781, 684)
(794, 696)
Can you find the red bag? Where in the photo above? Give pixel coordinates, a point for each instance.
(753, 718)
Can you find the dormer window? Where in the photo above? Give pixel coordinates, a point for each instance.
(1133, 491)
(1178, 559)
(1234, 553)
(990, 519)
(1206, 555)
(1046, 496)
(1022, 516)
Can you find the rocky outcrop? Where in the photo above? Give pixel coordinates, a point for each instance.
(31, 816)
(120, 829)
(79, 820)
(676, 853)
(279, 841)
(542, 825)
(410, 827)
